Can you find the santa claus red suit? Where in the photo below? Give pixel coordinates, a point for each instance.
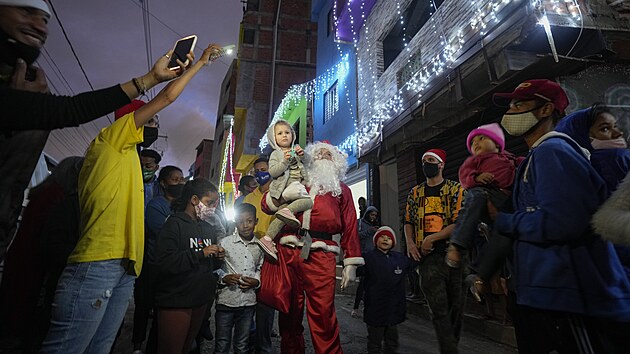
(312, 272)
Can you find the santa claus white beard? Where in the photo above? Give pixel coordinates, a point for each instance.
(323, 176)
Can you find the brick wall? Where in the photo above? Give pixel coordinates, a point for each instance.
(296, 47)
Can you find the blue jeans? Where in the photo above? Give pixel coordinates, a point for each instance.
(264, 326)
(90, 303)
(228, 318)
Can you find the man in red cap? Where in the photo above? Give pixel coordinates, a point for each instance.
(571, 291)
(430, 214)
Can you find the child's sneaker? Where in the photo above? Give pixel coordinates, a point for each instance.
(286, 216)
(453, 257)
(267, 245)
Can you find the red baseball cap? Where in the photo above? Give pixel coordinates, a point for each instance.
(542, 89)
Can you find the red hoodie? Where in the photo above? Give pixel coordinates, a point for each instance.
(501, 164)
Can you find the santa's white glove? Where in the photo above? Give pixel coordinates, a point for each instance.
(349, 274)
(294, 191)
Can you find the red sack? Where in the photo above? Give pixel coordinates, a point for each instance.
(275, 285)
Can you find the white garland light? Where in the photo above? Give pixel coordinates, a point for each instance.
(225, 166)
(485, 15)
(308, 90)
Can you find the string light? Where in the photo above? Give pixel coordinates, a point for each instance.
(308, 90)
(226, 165)
(485, 16)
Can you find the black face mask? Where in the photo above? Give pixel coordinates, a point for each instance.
(11, 50)
(430, 170)
(150, 136)
(175, 190)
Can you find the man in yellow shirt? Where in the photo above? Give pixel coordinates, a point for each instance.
(95, 287)
(264, 314)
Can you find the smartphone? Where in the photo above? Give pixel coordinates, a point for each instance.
(181, 50)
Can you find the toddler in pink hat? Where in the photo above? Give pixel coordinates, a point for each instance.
(488, 174)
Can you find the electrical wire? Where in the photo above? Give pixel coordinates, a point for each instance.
(52, 7)
(581, 29)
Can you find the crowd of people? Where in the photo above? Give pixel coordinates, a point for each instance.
(113, 225)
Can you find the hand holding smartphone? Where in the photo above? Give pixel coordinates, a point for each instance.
(181, 50)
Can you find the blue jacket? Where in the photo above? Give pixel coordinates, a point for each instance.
(384, 284)
(559, 264)
(611, 164)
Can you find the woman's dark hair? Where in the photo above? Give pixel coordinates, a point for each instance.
(199, 187)
(244, 181)
(596, 109)
(166, 171)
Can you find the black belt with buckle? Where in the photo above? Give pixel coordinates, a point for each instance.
(316, 234)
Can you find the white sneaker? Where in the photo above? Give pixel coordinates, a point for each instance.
(288, 218)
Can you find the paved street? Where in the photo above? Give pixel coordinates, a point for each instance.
(416, 335)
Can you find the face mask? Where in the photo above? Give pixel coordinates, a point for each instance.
(175, 190)
(517, 124)
(147, 174)
(262, 177)
(204, 212)
(619, 143)
(430, 170)
(11, 50)
(150, 136)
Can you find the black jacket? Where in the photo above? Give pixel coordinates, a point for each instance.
(384, 286)
(186, 277)
(21, 113)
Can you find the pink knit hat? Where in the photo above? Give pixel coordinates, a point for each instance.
(492, 131)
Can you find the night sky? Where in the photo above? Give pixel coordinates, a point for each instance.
(109, 39)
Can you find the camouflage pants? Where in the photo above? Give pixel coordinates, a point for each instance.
(444, 291)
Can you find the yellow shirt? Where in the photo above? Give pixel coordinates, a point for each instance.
(111, 197)
(254, 198)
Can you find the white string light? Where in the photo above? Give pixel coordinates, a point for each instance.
(225, 166)
(485, 17)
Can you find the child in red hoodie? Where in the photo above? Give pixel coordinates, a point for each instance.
(487, 175)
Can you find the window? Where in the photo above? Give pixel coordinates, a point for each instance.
(331, 102)
(252, 5)
(331, 23)
(249, 36)
(414, 18)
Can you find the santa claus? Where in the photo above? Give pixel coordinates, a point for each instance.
(310, 253)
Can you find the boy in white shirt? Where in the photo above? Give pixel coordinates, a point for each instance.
(240, 274)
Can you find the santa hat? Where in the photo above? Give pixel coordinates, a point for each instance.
(36, 4)
(387, 232)
(131, 107)
(439, 154)
(492, 131)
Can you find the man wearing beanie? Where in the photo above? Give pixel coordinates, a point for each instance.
(572, 294)
(384, 279)
(28, 111)
(487, 174)
(430, 214)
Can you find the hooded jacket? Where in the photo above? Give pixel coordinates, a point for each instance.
(559, 263)
(367, 231)
(186, 277)
(278, 165)
(611, 164)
